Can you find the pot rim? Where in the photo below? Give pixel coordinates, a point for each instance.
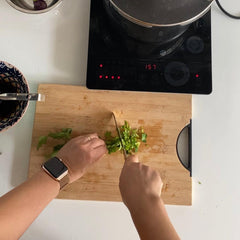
(150, 25)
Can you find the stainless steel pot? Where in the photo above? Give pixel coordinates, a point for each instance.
(157, 21)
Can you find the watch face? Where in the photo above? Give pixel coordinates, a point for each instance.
(55, 167)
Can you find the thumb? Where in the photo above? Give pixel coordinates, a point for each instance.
(132, 158)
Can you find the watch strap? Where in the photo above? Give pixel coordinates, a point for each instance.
(64, 181)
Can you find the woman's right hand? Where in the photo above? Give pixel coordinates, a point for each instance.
(139, 184)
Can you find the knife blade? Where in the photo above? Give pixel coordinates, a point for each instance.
(119, 135)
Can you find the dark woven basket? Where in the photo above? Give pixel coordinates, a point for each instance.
(11, 80)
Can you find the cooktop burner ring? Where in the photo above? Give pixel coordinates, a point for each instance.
(195, 45)
(177, 74)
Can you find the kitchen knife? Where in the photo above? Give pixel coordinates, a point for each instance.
(120, 137)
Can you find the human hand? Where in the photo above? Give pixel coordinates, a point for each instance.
(80, 153)
(139, 184)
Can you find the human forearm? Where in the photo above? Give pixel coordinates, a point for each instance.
(152, 222)
(22, 205)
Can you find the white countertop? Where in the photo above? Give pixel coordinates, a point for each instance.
(52, 48)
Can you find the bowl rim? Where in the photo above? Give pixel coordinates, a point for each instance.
(33, 11)
(27, 85)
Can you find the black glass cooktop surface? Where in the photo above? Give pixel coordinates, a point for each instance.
(119, 62)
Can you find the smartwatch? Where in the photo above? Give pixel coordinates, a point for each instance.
(56, 169)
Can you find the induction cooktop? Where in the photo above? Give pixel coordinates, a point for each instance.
(119, 62)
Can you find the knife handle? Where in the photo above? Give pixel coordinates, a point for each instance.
(22, 97)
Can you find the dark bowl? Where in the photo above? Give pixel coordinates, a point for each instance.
(27, 6)
(11, 80)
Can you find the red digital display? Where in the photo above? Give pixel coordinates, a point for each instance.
(150, 67)
(197, 75)
(118, 77)
(101, 65)
(106, 76)
(112, 77)
(100, 76)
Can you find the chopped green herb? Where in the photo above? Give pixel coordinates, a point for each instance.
(64, 135)
(56, 150)
(144, 137)
(131, 139)
(58, 147)
(42, 140)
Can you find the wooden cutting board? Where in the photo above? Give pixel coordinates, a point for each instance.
(163, 116)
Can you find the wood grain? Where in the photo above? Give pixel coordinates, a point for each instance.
(163, 116)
